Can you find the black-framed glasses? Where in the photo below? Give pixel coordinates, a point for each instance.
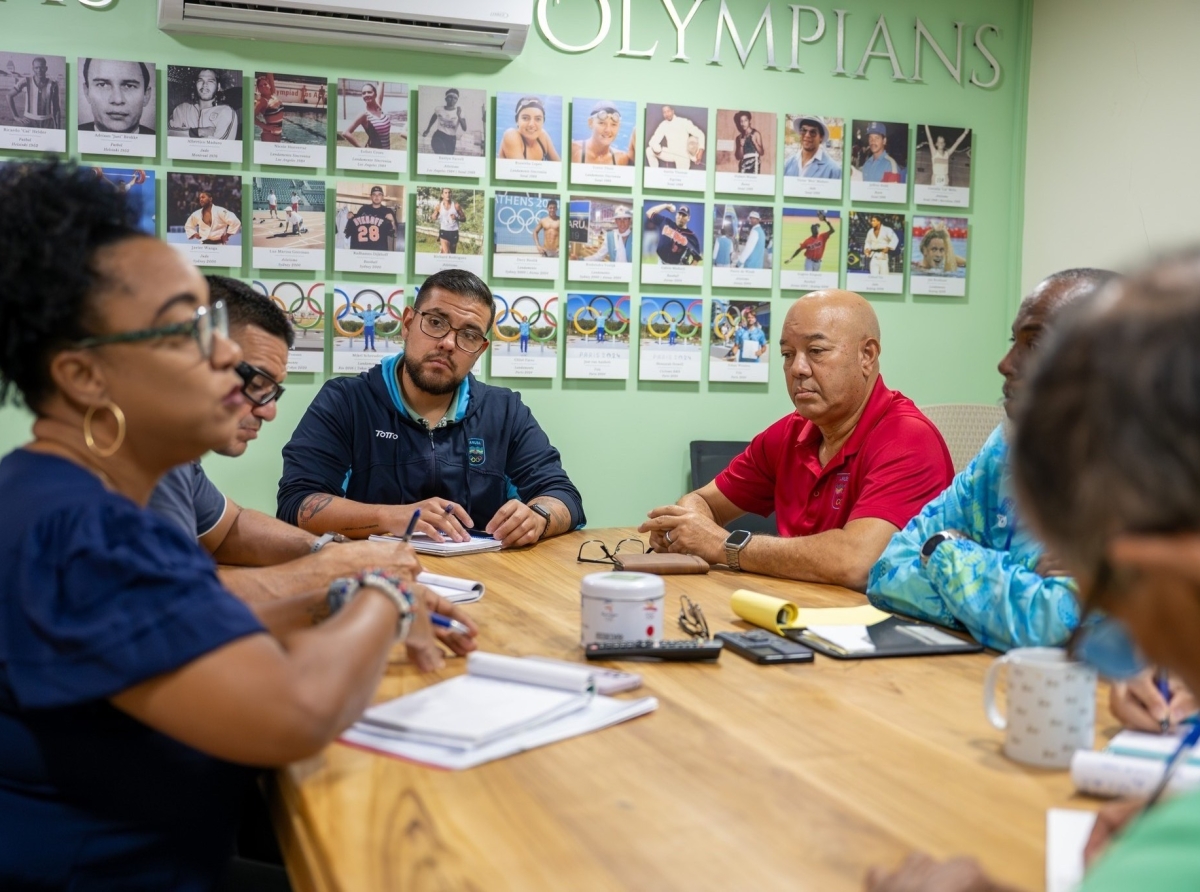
(691, 618)
(205, 322)
(465, 339)
(594, 551)
(257, 386)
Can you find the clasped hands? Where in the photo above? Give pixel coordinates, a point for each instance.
(514, 525)
(678, 530)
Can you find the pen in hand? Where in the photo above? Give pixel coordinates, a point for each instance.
(1162, 681)
(1177, 759)
(412, 525)
(446, 622)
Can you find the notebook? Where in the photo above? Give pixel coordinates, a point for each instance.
(503, 705)
(1067, 832)
(847, 633)
(1132, 765)
(453, 588)
(423, 544)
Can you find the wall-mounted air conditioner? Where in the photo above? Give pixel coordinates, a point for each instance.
(470, 27)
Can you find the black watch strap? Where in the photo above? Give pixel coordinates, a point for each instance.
(544, 512)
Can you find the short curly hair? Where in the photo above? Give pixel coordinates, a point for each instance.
(56, 217)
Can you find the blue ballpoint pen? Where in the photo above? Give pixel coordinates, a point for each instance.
(1162, 681)
(412, 525)
(1185, 746)
(446, 622)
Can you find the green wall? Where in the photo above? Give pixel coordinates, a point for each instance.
(625, 443)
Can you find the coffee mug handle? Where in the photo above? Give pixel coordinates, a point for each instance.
(994, 715)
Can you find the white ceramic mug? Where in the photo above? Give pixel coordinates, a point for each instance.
(1051, 705)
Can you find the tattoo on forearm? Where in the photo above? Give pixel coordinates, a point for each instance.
(370, 526)
(312, 506)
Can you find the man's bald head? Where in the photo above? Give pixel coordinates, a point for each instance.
(846, 310)
(830, 345)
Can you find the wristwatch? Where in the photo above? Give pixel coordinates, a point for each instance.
(934, 541)
(325, 539)
(540, 510)
(734, 543)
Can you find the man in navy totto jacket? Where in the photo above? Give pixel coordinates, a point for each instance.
(419, 431)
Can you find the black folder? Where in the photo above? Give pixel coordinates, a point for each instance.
(893, 637)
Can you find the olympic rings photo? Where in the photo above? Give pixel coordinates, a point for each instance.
(304, 305)
(525, 336)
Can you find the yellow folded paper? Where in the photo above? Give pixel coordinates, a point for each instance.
(778, 614)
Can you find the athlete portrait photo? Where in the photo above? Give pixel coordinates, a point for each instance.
(943, 165)
(372, 114)
(745, 141)
(939, 256)
(204, 103)
(452, 120)
(673, 242)
(204, 217)
(527, 230)
(875, 250)
(369, 217)
(116, 97)
(449, 225)
(677, 136)
(33, 91)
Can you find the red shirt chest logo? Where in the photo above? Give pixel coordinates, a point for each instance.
(840, 484)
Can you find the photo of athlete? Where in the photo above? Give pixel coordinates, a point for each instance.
(449, 215)
(677, 136)
(881, 151)
(940, 155)
(606, 133)
(745, 143)
(813, 247)
(449, 120)
(285, 113)
(528, 139)
(545, 234)
(205, 103)
(936, 254)
(813, 152)
(616, 245)
(375, 224)
(138, 188)
(668, 229)
(372, 115)
(943, 166)
(35, 91)
(118, 97)
(453, 121)
(273, 204)
(268, 109)
(203, 217)
(878, 243)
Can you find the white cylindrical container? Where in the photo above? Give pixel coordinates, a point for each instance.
(621, 607)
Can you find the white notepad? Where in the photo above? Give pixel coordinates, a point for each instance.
(423, 544)
(1132, 765)
(1067, 832)
(498, 696)
(453, 588)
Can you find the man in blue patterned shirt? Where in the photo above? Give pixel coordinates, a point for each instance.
(965, 560)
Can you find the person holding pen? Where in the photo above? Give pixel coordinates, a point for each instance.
(1106, 467)
(418, 431)
(139, 697)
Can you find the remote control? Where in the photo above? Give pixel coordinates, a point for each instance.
(694, 649)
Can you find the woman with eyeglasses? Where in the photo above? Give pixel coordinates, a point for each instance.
(1106, 462)
(135, 692)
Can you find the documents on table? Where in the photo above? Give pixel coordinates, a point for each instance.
(778, 614)
(1131, 765)
(424, 544)
(453, 588)
(1067, 832)
(503, 705)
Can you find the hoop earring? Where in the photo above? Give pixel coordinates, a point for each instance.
(91, 440)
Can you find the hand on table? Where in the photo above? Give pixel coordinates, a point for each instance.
(1137, 703)
(920, 873)
(516, 524)
(440, 519)
(1110, 821)
(677, 530)
(421, 643)
(435, 603)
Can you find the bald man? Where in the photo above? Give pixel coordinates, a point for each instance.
(843, 473)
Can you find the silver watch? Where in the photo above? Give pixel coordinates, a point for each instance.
(734, 543)
(398, 594)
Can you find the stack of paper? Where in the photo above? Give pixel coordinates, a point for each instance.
(424, 544)
(1067, 832)
(503, 705)
(1132, 765)
(452, 588)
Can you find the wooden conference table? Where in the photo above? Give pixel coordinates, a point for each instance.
(746, 777)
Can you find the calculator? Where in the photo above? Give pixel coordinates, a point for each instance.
(760, 646)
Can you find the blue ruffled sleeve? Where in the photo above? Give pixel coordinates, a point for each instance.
(102, 595)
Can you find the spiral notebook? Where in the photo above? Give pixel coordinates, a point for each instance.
(453, 588)
(423, 544)
(502, 706)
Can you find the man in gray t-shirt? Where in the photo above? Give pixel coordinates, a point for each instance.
(188, 497)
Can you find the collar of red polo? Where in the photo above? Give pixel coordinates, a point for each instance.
(809, 440)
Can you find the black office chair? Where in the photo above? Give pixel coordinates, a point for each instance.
(710, 458)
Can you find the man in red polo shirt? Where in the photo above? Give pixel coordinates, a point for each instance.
(843, 473)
